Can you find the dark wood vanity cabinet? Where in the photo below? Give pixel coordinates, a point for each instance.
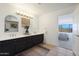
(36, 40)
(14, 46)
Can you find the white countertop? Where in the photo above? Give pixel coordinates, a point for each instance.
(18, 36)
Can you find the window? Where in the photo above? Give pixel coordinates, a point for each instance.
(65, 28)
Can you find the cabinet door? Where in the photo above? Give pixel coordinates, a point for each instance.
(7, 48)
(23, 43)
(27, 42)
(36, 39)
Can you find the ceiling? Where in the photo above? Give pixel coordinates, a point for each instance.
(48, 7)
(40, 8)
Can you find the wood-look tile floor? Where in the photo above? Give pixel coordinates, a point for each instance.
(35, 51)
(39, 51)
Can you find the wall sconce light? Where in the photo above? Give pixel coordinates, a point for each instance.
(21, 14)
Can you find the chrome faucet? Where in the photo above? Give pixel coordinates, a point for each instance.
(12, 35)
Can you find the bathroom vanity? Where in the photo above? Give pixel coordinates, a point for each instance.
(16, 45)
(19, 34)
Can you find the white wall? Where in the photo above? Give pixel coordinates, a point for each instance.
(76, 20)
(9, 9)
(76, 31)
(48, 23)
